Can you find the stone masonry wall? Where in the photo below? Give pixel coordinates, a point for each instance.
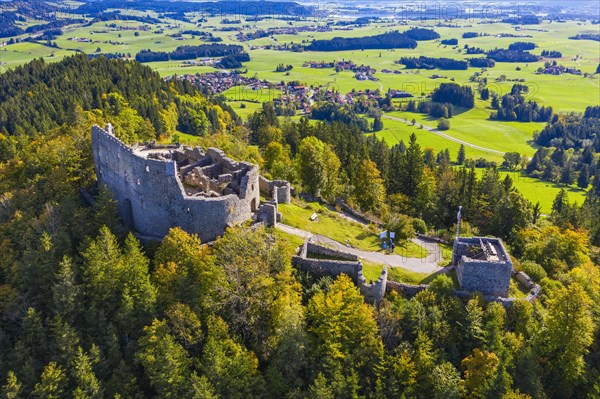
(487, 277)
(151, 198)
(373, 292)
(278, 190)
(313, 248)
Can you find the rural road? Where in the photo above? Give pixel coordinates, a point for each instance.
(429, 264)
(437, 132)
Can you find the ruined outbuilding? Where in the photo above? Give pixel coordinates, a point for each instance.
(160, 187)
(320, 261)
(482, 264)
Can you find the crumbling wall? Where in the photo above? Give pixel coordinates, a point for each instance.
(327, 267)
(268, 213)
(313, 248)
(489, 278)
(373, 291)
(278, 190)
(408, 290)
(151, 198)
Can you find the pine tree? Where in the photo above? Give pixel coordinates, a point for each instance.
(461, 155)
(583, 181)
(377, 124)
(537, 212)
(12, 388)
(411, 168)
(52, 383)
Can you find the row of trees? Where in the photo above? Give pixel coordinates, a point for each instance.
(503, 55)
(190, 52)
(514, 107)
(455, 94)
(387, 40)
(436, 110)
(431, 63)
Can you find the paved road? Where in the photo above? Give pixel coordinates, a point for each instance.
(427, 264)
(437, 132)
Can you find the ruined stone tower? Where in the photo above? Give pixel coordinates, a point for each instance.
(482, 264)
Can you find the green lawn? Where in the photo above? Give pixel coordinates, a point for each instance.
(330, 224)
(289, 241)
(372, 271)
(244, 113)
(538, 190)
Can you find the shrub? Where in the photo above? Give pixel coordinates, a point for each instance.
(419, 226)
(443, 124)
(442, 285)
(533, 270)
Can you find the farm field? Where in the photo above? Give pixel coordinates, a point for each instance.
(483, 138)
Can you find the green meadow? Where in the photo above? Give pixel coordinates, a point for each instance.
(484, 138)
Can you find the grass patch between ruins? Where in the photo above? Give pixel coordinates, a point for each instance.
(372, 271)
(330, 224)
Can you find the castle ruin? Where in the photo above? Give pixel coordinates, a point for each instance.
(482, 264)
(320, 261)
(160, 187)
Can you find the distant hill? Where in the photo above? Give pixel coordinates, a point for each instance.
(284, 8)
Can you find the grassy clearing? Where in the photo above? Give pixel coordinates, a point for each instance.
(394, 131)
(244, 113)
(329, 224)
(538, 190)
(407, 276)
(372, 271)
(332, 225)
(289, 241)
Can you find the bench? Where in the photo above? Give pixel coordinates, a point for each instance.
(313, 217)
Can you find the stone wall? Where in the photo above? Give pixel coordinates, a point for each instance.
(408, 290)
(278, 190)
(482, 264)
(352, 267)
(373, 291)
(312, 248)
(489, 278)
(151, 197)
(327, 267)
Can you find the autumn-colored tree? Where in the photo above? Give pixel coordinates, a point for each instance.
(343, 330)
(184, 272)
(480, 369)
(369, 191)
(318, 167)
(230, 368)
(569, 334)
(165, 361)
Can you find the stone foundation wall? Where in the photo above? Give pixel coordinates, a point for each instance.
(373, 292)
(313, 248)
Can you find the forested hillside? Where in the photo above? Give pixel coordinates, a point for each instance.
(86, 311)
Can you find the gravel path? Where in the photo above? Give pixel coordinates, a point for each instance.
(428, 264)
